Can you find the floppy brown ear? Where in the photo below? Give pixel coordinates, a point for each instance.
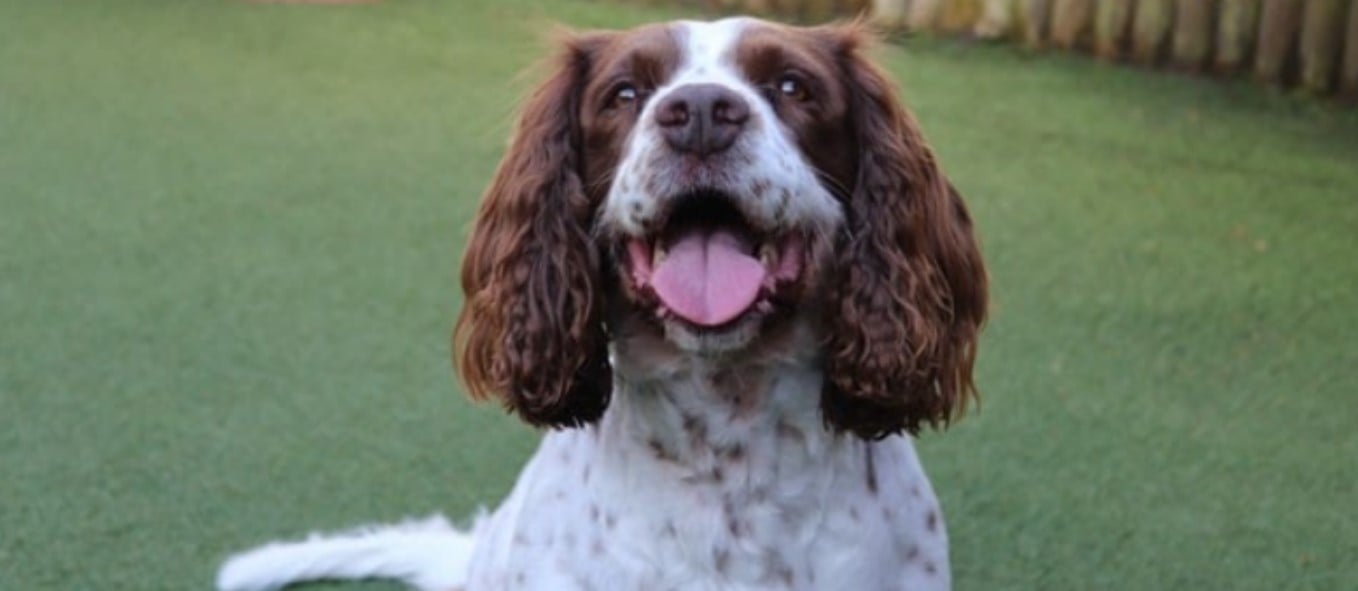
(531, 331)
(909, 290)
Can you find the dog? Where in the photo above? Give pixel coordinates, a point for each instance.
(721, 266)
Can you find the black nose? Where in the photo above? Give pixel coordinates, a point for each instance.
(701, 119)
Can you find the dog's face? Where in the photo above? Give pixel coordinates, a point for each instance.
(705, 185)
(713, 137)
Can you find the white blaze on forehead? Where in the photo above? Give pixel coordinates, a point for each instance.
(707, 54)
(709, 50)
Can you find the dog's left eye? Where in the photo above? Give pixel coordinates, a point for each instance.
(792, 87)
(789, 87)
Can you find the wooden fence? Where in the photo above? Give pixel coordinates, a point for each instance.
(1312, 44)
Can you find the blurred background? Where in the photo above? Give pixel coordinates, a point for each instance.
(230, 231)
(1311, 44)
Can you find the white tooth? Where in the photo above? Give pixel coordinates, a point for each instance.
(767, 254)
(658, 256)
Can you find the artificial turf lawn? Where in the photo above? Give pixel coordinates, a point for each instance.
(229, 235)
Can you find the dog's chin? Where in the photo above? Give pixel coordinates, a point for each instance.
(735, 336)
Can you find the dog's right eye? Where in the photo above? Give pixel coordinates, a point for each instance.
(624, 95)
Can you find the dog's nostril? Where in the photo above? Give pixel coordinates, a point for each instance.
(674, 111)
(732, 112)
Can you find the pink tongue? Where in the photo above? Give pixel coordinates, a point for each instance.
(708, 278)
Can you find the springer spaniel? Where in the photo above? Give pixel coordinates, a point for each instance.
(720, 262)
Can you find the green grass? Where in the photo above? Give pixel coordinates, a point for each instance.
(229, 235)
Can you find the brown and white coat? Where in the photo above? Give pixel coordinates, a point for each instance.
(721, 264)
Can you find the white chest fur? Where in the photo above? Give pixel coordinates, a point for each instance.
(687, 484)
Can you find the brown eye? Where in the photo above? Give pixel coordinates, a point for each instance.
(624, 95)
(792, 87)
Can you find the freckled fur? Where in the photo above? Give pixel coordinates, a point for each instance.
(772, 456)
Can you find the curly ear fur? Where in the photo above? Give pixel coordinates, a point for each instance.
(531, 328)
(909, 288)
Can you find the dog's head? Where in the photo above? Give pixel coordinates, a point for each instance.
(708, 186)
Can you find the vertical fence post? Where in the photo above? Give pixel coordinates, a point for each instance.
(759, 6)
(818, 11)
(1033, 15)
(889, 14)
(1193, 24)
(1278, 23)
(1322, 24)
(959, 16)
(1071, 23)
(1112, 19)
(1237, 25)
(1150, 30)
(923, 15)
(997, 19)
(1348, 72)
(853, 8)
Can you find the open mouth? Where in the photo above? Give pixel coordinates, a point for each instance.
(709, 266)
